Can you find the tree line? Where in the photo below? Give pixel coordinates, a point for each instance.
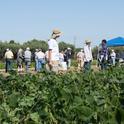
(36, 44)
(32, 44)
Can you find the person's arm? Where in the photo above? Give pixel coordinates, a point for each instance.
(49, 55)
(50, 44)
(5, 56)
(85, 53)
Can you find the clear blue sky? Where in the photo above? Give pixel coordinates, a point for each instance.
(23, 20)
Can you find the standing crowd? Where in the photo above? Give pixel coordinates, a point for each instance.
(54, 60)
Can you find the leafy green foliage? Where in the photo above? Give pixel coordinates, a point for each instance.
(71, 98)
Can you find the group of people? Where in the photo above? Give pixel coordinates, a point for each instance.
(52, 57)
(84, 57)
(56, 59)
(105, 56)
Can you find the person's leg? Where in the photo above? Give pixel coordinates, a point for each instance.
(89, 65)
(85, 66)
(69, 63)
(28, 65)
(113, 61)
(55, 66)
(26, 68)
(40, 64)
(36, 61)
(6, 66)
(11, 63)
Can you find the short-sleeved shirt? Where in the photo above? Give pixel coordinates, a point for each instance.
(53, 45)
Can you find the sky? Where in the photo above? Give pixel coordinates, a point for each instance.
(23, 20)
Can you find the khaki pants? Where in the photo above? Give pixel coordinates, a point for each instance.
(53, 67)
(80, 64)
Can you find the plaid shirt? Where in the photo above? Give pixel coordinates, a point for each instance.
(104, 51)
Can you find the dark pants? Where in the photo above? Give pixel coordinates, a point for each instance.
(103, 64)
(9, 65)
(87, 66)
(27, 64)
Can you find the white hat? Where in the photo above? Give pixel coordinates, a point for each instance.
(7, 49)
(27, 48)
(87, 41)
(68, 48)
(82, 50)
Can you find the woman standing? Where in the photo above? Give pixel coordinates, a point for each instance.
(20, 60)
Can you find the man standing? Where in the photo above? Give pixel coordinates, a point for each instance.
(68, 57)
(53, 52)
(41, 59)
(9, 58)
(103, 55)
(27, 56)
(87, 56)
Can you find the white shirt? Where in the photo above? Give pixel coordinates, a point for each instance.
(40, 55)
(61, 57)
(53, 45)
(87, 53)
(9, 54)
(27, 54)
(113, 55)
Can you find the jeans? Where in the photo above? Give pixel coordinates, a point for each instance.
(9, 64)
(113, 61)
(40, 62)
(27, 64)
(87, 66)
(69, 63)
(36, 64)
(103, 64)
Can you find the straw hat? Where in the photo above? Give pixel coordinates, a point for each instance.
(56, 31)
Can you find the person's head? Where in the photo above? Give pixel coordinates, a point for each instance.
(40, 49)
(82, 50)
(56, 33)
(27, 48)
(112, 50)
(104, 42)
(87, 42)
(20, 50)
(36, 50)
(68, 48)
(7, 49)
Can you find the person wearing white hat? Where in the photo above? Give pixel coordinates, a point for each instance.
(87, 55)
(9, 59)
(113, 57)
(68, 57)
(27, 57)
(41, 59)
(53, 51)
